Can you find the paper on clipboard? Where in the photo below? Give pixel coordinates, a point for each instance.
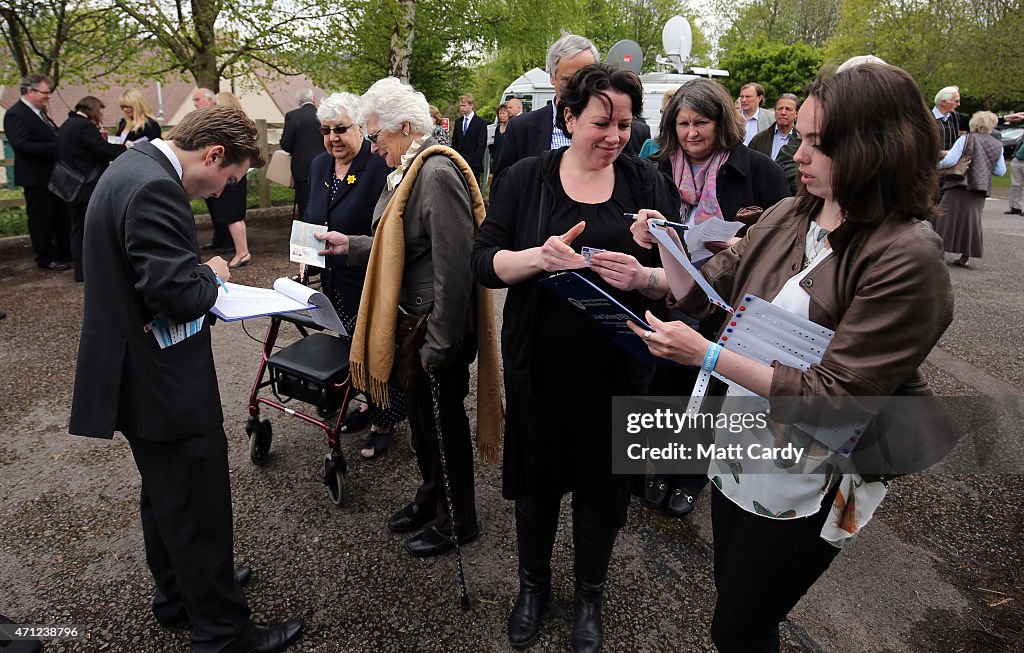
(678, 254)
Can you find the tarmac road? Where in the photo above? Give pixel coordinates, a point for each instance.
(939, 568)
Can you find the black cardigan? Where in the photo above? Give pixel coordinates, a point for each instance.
(150, 130)
(524, 193)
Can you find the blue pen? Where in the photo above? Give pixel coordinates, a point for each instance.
(220, 282)
(659, 222)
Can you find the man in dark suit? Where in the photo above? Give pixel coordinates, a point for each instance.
(469, 135)
(535, 132)
(33, 137)
(140, 250)
(301, 138)
(780, 141)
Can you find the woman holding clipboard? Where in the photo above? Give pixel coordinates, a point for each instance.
(852, 253)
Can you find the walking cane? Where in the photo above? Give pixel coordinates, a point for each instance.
(434, 393)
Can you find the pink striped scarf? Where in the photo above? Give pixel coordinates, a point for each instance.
(700, 193)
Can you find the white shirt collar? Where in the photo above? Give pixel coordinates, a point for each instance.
(166, 150)
(34, 108)
(938, 114)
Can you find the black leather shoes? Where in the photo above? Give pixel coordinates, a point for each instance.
(432, 542)
(524, 620)
(680, 503)
(409, 518)
(1012, 212)
(586, 618)
(273, 638)
(57, 266)
(656, 492)
(242, 575)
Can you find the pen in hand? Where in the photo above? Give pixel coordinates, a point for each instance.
(220, 282)
(659, 222)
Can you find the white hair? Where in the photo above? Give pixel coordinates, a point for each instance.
(858, 60)
(304, 96)
(946, 94)
(569, 46)
(394, 103)
(338, 106)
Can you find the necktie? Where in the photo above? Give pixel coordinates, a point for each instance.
(465, 125)
(46, 119)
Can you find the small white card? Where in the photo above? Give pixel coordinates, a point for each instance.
(303, 247)
(709, 231)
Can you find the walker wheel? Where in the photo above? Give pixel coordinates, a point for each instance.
(261, 435)
(334, 479)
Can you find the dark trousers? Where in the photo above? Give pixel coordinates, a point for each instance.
(186, 525)
(48, 225)
(762, 568)
(301, 197)
(453, 386)
(77, 211)
(536, 527)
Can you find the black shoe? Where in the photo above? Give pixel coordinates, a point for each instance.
(58, 266)
(680, 503)
(242, 577)
(432, 542)
(409, 519)
(1012, 212)
(273, 638)
(656, 492)
(525, 618)
(208, 246)
(586, 618)
(2, 315)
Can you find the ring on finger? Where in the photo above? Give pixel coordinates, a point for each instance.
(647, 336)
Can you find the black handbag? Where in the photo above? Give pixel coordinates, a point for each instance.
(69, 184)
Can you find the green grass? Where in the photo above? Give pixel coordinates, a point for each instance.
(1002, 182)
(14, 222)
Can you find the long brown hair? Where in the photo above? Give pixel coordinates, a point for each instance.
(882, 140)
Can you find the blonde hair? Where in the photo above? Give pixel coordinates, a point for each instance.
(140, 110)
(228, 99)
(984, 122)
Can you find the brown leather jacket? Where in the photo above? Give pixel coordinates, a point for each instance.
(885, 291)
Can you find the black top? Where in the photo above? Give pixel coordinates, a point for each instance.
(34, 142)
(301, 138)
(346, 206)
(151, 130)
(81, 146)
(473, 143)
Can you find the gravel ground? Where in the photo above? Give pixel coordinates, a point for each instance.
(938, 570)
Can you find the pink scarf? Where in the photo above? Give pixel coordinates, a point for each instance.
(700, 193)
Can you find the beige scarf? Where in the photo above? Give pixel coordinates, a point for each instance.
(373, 344)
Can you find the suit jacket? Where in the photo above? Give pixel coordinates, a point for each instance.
(765, 119)
(439, 232)
(349, 212)
(763, 143)
(529, 134)
(473, 143)
(81, 146)
(301, 138)
(34, 143)
(141, 252)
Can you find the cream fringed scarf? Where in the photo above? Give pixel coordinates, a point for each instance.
(373, 344)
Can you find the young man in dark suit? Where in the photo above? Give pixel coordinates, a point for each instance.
(469, 135)
(140, 250)
(301, 138)
(33, 137)
(535, 132)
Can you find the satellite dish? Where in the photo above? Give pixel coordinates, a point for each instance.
(627, 55)
(677, 37)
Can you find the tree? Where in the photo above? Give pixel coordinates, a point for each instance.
(215, 39)
(67, 40)
(778, 68)
(780, 21)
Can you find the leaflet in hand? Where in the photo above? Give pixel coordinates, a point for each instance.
(243, 302)
(709, 231)
(303, 247)
(670, 246)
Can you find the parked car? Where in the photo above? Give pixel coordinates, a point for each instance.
(1011, 138)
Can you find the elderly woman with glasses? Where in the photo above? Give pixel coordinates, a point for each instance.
(418, 264)
(344, 184)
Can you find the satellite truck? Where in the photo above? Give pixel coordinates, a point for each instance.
(535, 90)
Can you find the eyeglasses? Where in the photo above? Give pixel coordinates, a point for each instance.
(374, 136)
(41, 92)
(339, 129)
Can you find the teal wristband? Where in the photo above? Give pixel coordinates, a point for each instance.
(711, 357)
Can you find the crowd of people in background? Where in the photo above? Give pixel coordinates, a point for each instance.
(409, 233)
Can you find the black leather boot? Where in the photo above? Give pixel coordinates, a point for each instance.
(535, 534)
(593, 545)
